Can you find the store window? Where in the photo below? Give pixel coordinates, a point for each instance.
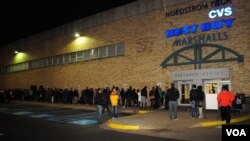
(45, 62)
(34, 64)
(211, 88)
(86, 55)
(120, 49)
(79, 56)
(95, 53)
(73, 57)
(66, 58)
(50, 61)
(111, 51)
(103, 52)
(60, 59)
(55, 60)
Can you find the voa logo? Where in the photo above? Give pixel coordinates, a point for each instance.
(220, 12)
(236, 132)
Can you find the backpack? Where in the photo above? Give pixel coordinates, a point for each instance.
(194, 94)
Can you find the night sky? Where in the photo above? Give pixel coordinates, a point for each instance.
(22, 18)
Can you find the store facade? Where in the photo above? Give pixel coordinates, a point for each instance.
(145, 43)
(202, 44)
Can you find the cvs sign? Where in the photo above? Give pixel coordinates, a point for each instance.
(220, 12)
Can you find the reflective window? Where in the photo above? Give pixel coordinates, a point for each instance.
(55, 60)
(102, 52)
(50, 60)
(34, 64)
(79, 56)
(211, 88)
(86, 55)
(45, 62)
(95, 53)
(73, 57)
(60, 59)
(120, 49)
(66, 58)
(111, 51)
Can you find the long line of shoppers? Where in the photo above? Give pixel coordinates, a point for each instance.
(127, 97)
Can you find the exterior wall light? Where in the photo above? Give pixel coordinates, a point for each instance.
(77, 35)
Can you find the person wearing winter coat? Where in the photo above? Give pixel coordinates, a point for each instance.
(225, 99)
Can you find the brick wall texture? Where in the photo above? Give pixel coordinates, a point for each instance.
(146, 46)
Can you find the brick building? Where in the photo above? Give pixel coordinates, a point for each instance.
(148, 42)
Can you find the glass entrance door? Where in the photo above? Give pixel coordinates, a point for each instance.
(224, 83)
(184, 90)
(212, 88)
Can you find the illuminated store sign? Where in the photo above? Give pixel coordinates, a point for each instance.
(214, 25)
(220, 12)
(199, 7)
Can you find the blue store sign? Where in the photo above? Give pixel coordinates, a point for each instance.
(208, 26)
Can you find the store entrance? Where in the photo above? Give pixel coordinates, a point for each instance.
(211, 81)
(211, 89)
(184, 88)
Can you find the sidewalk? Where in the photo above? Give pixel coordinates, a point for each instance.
(159, 119)
(156, 122)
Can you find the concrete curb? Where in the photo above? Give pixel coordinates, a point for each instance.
(216, 123)
(143, 112)
(119, 126)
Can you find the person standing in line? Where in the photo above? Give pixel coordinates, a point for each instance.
(123, 97)
(162, 95)
(152, 97)
(225, 99)
(166, 99)
(194, 102)
(157, 97)
(106, 95)
(129, 94)
(201, 97)
(138, 91)
(144, 95)
(114, 102)
(99, 100)
(173, 95)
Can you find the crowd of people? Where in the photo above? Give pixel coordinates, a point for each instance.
(131, 97)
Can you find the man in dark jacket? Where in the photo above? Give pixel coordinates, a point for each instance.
(201, 98)
(173, 95)
(99, 100)
(106, 94)
(194, 102)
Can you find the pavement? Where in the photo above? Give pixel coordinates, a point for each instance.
(159, 120)
(156, 122)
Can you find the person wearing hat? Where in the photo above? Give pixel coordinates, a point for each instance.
(225, 99)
